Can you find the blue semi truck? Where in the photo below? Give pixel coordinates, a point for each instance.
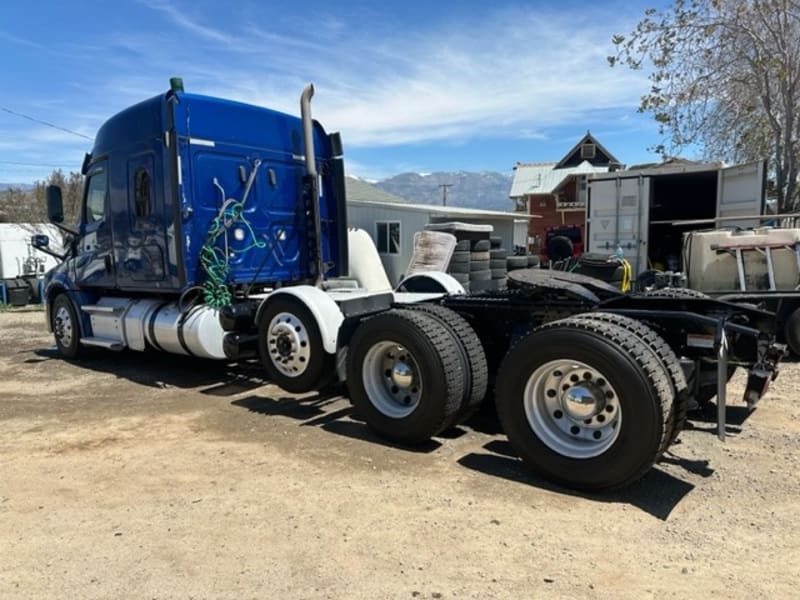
(216, 229)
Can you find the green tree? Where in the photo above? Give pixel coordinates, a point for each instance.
(725, 74)
(30, 206)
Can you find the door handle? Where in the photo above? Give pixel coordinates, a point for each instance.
(108, 264)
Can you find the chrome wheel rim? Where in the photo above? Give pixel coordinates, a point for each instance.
(62, 324)
(572, 408)
(392, 379)
(288, 344)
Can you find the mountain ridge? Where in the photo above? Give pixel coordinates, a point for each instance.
(486, 190)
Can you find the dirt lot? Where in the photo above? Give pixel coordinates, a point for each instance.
(151, 476)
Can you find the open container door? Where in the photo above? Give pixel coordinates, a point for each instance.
(740, 192)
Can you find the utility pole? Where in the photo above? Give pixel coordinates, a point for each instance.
(444, 187)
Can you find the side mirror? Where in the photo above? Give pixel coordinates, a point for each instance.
(55, 205)
(40, 241)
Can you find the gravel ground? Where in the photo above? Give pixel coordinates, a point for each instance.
(151, 476)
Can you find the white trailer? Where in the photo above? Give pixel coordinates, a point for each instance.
(21, 265)
(636, 210)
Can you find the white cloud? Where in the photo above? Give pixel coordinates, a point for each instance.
(514, 76)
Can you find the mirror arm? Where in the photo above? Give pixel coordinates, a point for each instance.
(60, 257)
(65, 229)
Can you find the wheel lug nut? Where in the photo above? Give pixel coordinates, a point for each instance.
(597, 435)
(575, 430)
(601, 381)
(587, 375)
(558, 414)
(551, 393)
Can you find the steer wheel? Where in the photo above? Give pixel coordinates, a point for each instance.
(290, 346)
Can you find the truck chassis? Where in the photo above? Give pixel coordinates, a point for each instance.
(591, 385)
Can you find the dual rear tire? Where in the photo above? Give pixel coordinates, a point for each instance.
(585, 403)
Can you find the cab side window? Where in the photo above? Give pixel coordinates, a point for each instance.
(141, 191)
(96, 196)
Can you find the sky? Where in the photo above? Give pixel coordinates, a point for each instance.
(412, 86)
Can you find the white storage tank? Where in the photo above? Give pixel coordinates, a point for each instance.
(709, 258)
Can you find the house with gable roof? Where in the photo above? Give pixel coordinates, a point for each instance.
(558, 191)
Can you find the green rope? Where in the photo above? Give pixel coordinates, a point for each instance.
(216, 291)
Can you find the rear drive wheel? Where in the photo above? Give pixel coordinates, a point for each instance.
(405, 375)
(791, 332)
(290, 346)
(677, 416)
(476, 375)
(66, 328)
(585, 403)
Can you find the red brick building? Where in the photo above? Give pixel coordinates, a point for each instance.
(558, 191)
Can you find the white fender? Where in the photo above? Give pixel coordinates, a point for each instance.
(324, 310)
(431, 281)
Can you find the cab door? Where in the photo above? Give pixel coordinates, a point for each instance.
(94, 264)
(139, 232)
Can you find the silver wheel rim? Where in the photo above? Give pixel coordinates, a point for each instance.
(288, 344)
(572, 408)
(392, 379)
(63, 326)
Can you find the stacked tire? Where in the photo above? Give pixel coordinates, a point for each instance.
(497, 263)
(460, 264)
(480, 272)
(517, 262)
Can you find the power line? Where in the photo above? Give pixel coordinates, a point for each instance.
(35, 120)
(27, 164)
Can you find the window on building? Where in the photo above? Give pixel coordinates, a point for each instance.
(588, 150)
(141, 193)
(96, 196)
(387, 234)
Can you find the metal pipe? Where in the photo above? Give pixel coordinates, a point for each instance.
(308, 129)
(312, 176)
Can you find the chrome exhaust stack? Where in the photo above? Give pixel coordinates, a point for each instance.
(311, 184)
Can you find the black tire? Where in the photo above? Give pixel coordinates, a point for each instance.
(677, 416)
(66, 327)
(479, 265)
(495, 241)
(460, 277)
(459, 267)
(499, 263)
(435, 364)
(463, 246)
(534, 260)
(560, 247)
(498, 254)
(676, 293)
(499, 273)
(481, 246)
(295, 342)
(615, 361)
(477, 371)
(517, 262)
(483, 285)
(791, 332)
(459, 257)
(476, 256)
(484, 275)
